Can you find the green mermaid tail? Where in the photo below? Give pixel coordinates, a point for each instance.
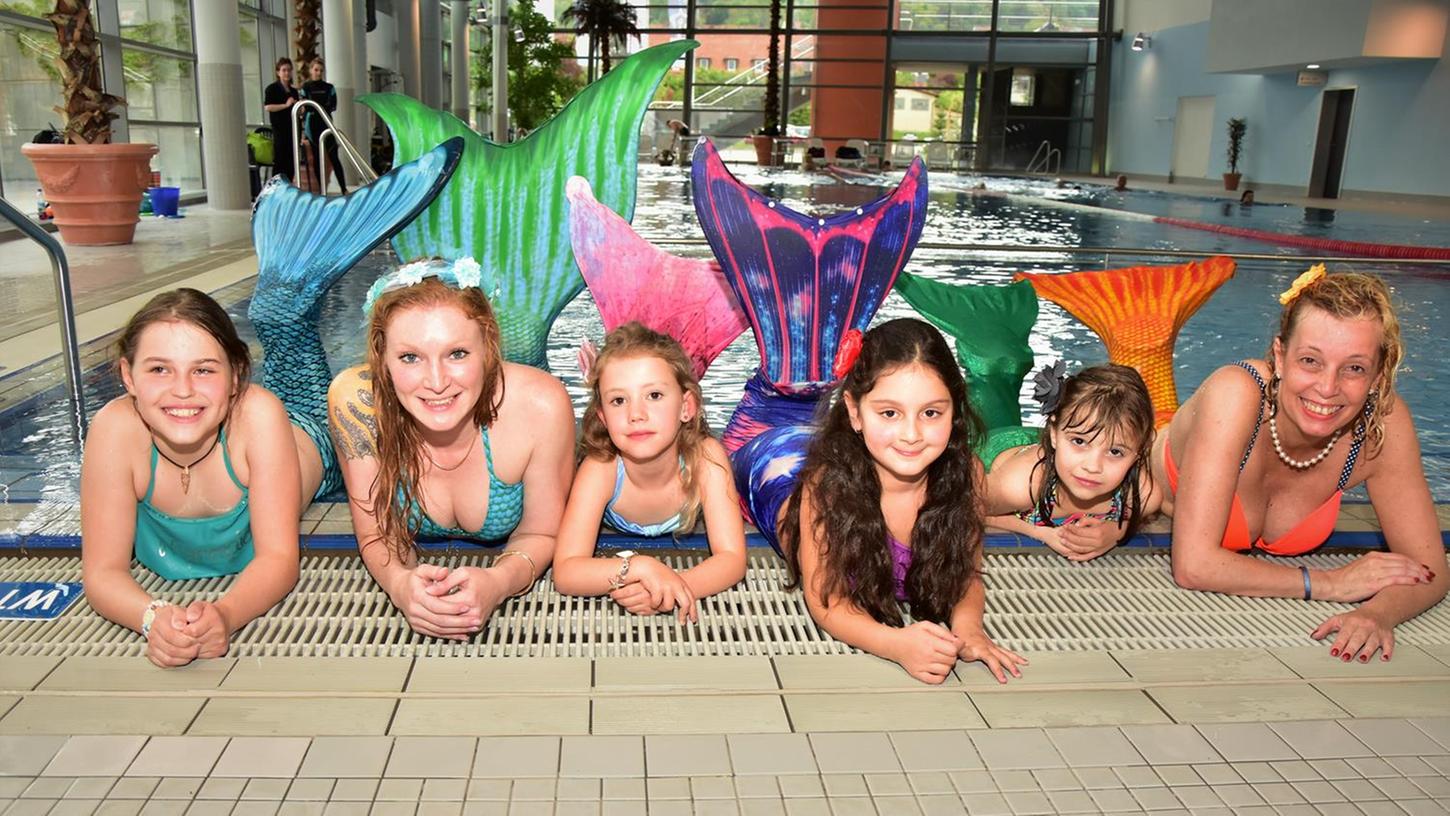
(506, 206)
(991, 325)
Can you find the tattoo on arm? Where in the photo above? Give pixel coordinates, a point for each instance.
(355, 427)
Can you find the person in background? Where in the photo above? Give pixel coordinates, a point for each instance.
(324, 94)
(277, 100)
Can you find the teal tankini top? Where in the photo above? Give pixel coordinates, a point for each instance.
(505, 508)
(180, 548)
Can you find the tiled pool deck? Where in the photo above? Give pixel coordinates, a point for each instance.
(1256, 730)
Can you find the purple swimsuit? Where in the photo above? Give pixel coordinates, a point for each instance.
(900, 563)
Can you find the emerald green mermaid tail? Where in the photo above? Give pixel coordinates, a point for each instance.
(304, 244)
(990, 325)
(506, 207)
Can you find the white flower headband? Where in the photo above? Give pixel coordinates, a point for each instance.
(462, 273)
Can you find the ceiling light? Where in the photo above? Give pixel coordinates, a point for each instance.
(1313, 66)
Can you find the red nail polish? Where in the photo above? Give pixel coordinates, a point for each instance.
(1384, 657)
(1334, 653)
(1347, 657)
(1364, 658)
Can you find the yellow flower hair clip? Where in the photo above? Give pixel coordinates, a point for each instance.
(1302, 282)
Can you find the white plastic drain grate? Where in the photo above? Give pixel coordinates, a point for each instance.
(1036, 601)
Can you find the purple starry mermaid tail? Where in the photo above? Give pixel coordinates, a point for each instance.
(804, 282)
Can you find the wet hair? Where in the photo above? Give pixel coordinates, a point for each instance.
(1351, 296)
(399, 442)
(200, 310)
(1107, 399)
(281, 61)
(856, 561)
(634, 340)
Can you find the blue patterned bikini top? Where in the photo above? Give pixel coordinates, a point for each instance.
(505, 508)
(179, 547)
(623, 524)
(1114, 513)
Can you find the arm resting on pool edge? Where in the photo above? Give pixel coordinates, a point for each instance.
(724, 526)
(577, 571)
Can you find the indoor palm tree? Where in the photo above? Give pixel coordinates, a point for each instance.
(603, 22)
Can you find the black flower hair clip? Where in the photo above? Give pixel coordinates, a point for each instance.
(1047, 385)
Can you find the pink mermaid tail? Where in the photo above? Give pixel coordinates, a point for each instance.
(632, 279)
(1138, 312)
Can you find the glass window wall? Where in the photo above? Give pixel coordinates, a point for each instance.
(29, 89)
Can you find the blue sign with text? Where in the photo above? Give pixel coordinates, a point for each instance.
(36, 600)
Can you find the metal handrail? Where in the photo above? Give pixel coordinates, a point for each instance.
(1038, 249)
(1046, 158)
(353, 156)
(66, 308)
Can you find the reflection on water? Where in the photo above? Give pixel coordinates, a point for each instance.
(37, 459)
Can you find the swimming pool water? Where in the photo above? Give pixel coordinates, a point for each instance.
(37, 460)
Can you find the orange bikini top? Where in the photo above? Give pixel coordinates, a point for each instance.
(1311, 531)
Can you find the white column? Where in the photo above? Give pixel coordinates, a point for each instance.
(408, 63)
(430, 52)
(223, 120)
(361, 134)
(460, 59)
(498, 17)
(337, 40)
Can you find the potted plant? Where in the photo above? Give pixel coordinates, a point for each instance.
(765, 138)
(1237, 127)
(94, 186)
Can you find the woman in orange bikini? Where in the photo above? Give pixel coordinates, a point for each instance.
(1265, 449)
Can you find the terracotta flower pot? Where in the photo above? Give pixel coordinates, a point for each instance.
(1231, 181)
(764, 149)
(94, 189)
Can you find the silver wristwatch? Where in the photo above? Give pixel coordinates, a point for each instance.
(618, 580)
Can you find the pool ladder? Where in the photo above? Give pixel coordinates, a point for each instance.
(364, 171)
(1044, 154)
(66, 308)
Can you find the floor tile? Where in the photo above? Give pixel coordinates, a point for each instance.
(712, 787)
(91, 787)
(74, 807)
(27, 755)
(334, 674)
(1332, 769)
(584, 790)
(1315, 663)
(1217, 773)
(1246, 742)
(686, 755)
(926, 783)
(178, 756)
(1016, 749)
(1028, 803)
(1410, 766)
(134, 787)
(294, 716)
(1196, 796)
(261, 757)
(771, 754)
(1321, 739)
(94, 756)
(601, 756)
(444, 790)
(1027, 709)
(503, 716)
(1392, 737)
(177, 787)
(1371, 767)
(1244, 703)
(935, 751)
(1438, 728)
(131, 808)
(1202, 665)
(399, 790)
(986, 804)
(360, 790)
(841, 671)
(1015, 780)
(1170, 744)
(1050, 779)
(442, 757)
(854, 753)
(882, 710)
(802, 786)
(1410, 699)
(343, 757)
(1073, 801)
(48, 787)
(258, 788)
(1139, 776)
(690, 714)
(224, 788)
(134, 674)
(1050, 668)
(513, 757)
(23, 672)
(1295, 770)
(698, 673)
(313, 790)
(445, 674)
(100, 715)
(1093, 746)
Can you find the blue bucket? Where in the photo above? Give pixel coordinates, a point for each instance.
(165, 199)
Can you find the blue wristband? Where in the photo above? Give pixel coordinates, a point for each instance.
(1308, 592)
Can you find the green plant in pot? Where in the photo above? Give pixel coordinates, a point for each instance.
(1237, 127)
(94, 185)
(764, 140)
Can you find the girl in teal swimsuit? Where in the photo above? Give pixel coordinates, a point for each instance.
(171, 472)
(648, 467)
(440, 438)
(1079, 484)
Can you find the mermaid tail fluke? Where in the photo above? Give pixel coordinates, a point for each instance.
(304, 244)
(632, 279)
(804, 283)
(991, 325)
(506, 206)
(1138, 313)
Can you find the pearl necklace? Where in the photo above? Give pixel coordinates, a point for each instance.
(1295, 463)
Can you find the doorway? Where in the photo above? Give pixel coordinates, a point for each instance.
(1192, 132)
(1330, 146)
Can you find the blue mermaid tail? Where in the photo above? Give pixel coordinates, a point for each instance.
(804, 284)
(304, 244)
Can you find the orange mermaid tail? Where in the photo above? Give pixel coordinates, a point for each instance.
(1137, 312)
